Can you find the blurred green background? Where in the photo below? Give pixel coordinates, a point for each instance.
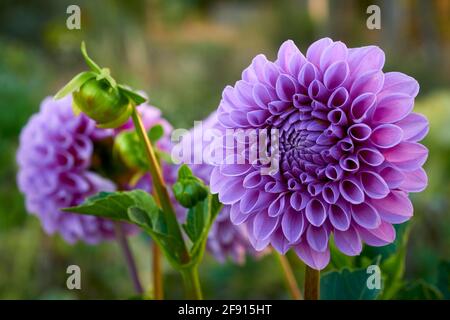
(183, 53)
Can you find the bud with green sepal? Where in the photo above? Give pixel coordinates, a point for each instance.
(189, 190)
(97, 94)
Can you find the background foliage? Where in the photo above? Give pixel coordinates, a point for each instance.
(183, 53)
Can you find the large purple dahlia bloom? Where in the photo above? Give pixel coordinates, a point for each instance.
(224, 239)
(348, 150)
(59, 158)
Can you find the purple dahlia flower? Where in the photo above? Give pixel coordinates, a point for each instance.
(56, 157)
(225, 239)
(348, 150)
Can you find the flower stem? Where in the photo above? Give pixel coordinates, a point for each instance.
(157, 273)
(131, 264)
(312, 284)
(160, 189)
(289, 276)
(192, 283)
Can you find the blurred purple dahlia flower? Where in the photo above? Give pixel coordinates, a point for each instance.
(348, 150)
(59, 158)
(225, 239)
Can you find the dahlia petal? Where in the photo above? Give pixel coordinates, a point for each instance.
(300, 100)
(257, 66)
(333, 172)
(369, 82)
(253, 180)
(231, 191)
(407, 156)
(386, 136)
(317, 238)
(317, 91)
(348, 242)
(346, 145)
(239, 118)
(415, 181)
(278, 107)
(370, 156)
(415, 127)
(249, 200)
(381, 236)
(295, 64)
(307, 74)
(397, 82)
(330, 193)
(337, 51)
(362, 105)
(261, 96)
(335, 75)
(351, 191)
(297, 201)
(314, 259)
(236, 216)
(292, 225)
(374, 185)
(349, 163)
(339, 216)
(361, 60)
(271, 74)
(258, 244)
(359, 132)
(365, 215)
(393, 108)
(287, 50)
(315, 50)
(257, 117)
(265, 199)
(279, 241)
(338, 99)
(234, 170)
(276, 208)
(315, 212)
(395, 208)
(392, 176)
(286, 87)
(74, 182)
(216, 181)
(244, 92)
(264, 225)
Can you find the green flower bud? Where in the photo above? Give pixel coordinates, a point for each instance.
(190, 191)
(109, 107)
(96, 94)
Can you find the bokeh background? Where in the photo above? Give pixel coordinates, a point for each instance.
(183, 53)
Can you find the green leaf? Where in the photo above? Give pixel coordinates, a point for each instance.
(94, 67)
(197, 219)
(131, 94)
(443, 280)
(75, 84)
(419, 290)
(393, 259)
(164, 156)
(155, 133)
(115, 205)
(346, 285)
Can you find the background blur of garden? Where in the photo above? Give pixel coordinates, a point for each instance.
(183, 53)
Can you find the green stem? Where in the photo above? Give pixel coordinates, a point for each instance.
(160, 190)
(312, 284)
(289, 276)
(157, 273)
(192, 283)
